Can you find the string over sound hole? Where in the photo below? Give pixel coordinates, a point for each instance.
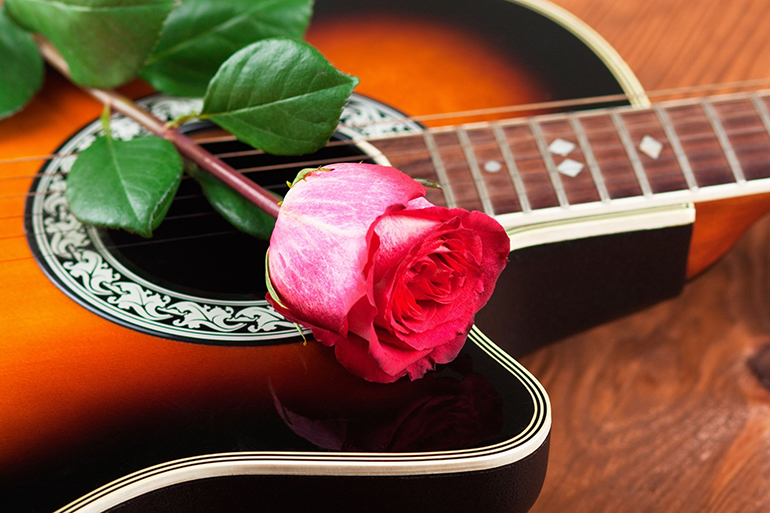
(196, 251)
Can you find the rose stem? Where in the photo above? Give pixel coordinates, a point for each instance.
(247, 188)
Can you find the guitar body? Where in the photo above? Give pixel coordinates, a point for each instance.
(100, 412)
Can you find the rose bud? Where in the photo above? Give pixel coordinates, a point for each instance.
(391, 281)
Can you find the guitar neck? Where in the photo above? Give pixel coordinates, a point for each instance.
(565, 165)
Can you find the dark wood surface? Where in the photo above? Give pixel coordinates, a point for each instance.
(660, 411)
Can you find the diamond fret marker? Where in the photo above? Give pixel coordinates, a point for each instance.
(570, 168)
(561, 147)
(651, 147)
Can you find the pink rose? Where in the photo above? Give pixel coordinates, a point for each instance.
(362, 259)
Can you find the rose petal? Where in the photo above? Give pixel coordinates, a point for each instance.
(443, 353)
(353, 353)
(476, 248)
(328, 215)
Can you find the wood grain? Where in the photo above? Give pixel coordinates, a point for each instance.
(660, 411)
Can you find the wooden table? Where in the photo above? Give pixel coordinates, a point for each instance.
(660, 411)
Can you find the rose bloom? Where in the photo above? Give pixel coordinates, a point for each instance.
(363, 260)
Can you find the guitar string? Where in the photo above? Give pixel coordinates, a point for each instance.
(575, 189)
(589, 132)
(205, 235)
(195, 236)
(554, 134)
(498, 110)
(122, 246)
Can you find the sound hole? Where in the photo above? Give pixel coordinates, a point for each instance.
(195, 251)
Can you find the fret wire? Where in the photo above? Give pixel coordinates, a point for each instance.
(478, 179)
(593, 166)
(761, 108)
(676, 144)
(438, 165)
(724, 142)
(558, 186)
(513, 170)
(636, 163)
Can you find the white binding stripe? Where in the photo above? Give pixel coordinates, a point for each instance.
(634, 204)
(339, 464)
(608, 55)
(557, 231)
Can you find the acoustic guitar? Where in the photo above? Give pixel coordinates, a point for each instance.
(151, 376)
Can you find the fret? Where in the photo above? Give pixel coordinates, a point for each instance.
(636, 163)
(513, 170)
(473, 164)
(655, 152)
(529, 161)
(458, 172)
(438, 165)
(593, 166)
(762, 110)
(676, 144)
(610, 155)
(569, 160)
(700, 144)
(748, 136)
(517, 165)
(724, 142)
(558, 187)
(499, 185)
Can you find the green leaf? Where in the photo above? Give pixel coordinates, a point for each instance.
(278, 95)
(236, 209)
(104, 42)
(21, 65)
(125, 184)
(200, 35)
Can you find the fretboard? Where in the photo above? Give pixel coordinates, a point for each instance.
(681, 151)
